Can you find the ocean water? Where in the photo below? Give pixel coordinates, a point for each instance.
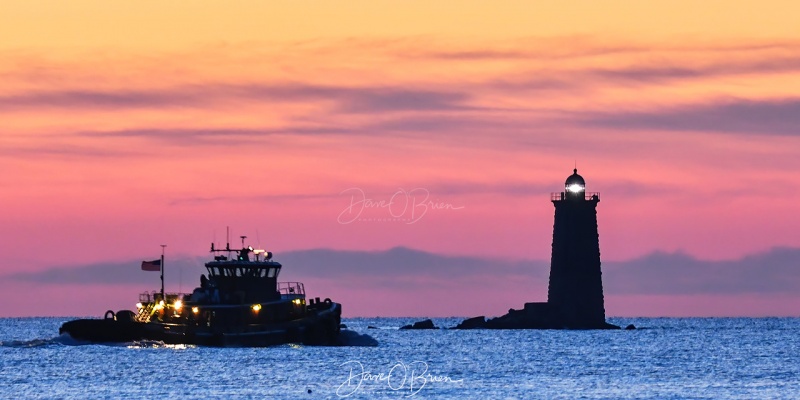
(667, 358)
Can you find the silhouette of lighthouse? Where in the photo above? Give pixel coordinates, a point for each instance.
(575, 293)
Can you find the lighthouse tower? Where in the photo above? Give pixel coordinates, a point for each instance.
(575, 293)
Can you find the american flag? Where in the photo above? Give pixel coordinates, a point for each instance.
(154, 265)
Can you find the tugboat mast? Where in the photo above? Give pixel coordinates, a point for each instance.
(164, 299)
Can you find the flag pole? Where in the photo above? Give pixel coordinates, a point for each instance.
(164, 299)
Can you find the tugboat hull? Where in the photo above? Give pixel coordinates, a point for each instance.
(103, 330)
(320, 328)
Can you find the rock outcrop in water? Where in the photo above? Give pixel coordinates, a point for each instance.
(532, 316)
(472, 323)
(355, 339)
(426, 324)
(575, 293)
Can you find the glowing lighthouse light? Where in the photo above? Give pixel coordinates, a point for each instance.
(575, 183)
(575, 188)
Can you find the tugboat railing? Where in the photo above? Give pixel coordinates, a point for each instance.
(145, 313)
(291, 289)
(154, 296)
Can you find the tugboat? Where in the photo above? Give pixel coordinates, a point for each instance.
(239, 304)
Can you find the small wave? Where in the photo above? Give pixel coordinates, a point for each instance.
(33, 342)
(355, 339)
(346, 338)
(26, 343)
(67, 340)
(64, 340)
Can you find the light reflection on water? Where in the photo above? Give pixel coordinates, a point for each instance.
(150, 344)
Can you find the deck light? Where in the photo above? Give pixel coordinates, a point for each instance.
(297, 301)
(256, 307)
(178, 304)
(195, 310)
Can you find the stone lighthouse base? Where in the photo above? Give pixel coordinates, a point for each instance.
(533, 316)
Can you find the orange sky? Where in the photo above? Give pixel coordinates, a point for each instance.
(127, 125)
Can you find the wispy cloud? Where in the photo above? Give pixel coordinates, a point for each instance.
(398, 268)
(436, 190)
(195, 200)
(350, 99)
(772, 272)
(581, 47)
(54, 149)
(109, 273)
(99, 99)
(360, 99)
(566, 63)
(537, 85)
(758, 117)
(690, 69)
(188, 136)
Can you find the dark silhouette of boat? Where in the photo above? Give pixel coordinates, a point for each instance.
(240, 303)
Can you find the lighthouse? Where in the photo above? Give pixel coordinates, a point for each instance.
(575, 291)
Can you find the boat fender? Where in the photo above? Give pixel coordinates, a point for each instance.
(327, 301)
(110, 315)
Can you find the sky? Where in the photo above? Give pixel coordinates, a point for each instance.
(399, 157)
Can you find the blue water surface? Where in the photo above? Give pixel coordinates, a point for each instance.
(667, 358)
